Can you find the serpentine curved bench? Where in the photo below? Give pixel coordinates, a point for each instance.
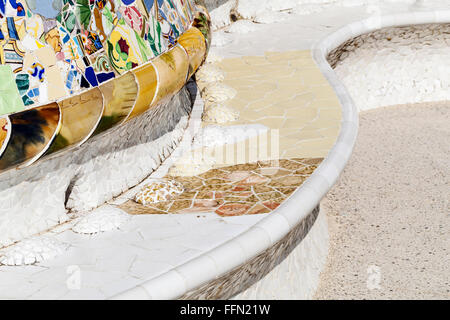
(224, 270)
(122, 96)
(71, 121)
(234, 266)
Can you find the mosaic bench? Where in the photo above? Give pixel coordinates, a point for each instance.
(77, 75)
(193, 256)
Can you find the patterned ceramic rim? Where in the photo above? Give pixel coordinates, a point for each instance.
(266, 233)
(200, 11)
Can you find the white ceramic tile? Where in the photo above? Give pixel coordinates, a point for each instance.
(299, 206)
(329, 172)
(254, 241)
(318, 183)
(227, 256)
(167, 286)
(118, 286)
(246, 220)
(146, 268)
(276, 227)
(198, 271)
(136, 293)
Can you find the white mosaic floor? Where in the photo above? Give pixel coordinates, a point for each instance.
(115, 261)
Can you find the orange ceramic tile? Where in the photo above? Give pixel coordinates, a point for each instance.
(250, 188)
(194, 44)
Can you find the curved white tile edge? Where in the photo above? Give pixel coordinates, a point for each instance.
(235, 252)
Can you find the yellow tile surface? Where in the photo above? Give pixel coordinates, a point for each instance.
(285, 91)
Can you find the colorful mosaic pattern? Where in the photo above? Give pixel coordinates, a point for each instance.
(104, 61)
(87, 43)
(238, 190)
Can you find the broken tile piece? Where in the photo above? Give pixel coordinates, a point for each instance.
(159, 191)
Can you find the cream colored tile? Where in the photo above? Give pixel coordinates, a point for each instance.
(324, 92)
(272, 122)
(259, 105)
(249, 95)
(293, 103)
(239, 75)
(240, 83)
(256, 61)
(286, 132)
(264, 87)
(299, 121)
(275, 70)
(279, 96)
(273, 99)
(286, 91)
(46, 56)
(324, 143)
(231, 62)
(274, 111)
(251, 114)
(302, 112)
(295, 123)
(302, 63)
(313, 77)
(236, 103)
(327, 103)
(292, 86)
(306, 135)
(56, 88)
(288, 55)
(286, 143)
(321, 122)
(331, 113)
(332, 132)
(300, 152)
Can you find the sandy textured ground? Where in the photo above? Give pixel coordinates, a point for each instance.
(389, 214)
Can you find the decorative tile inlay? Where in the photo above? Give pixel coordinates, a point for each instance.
(65, 53)
(157, 192)
(283, 91)
(252, 188)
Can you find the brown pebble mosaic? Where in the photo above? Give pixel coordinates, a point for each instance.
(244, 189)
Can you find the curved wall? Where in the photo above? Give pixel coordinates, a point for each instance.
(415, 57)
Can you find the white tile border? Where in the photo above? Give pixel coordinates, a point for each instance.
(173, 284)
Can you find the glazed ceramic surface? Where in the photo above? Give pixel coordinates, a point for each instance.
(195, 45)
(88, 66)
(119, 98)
(31, 133)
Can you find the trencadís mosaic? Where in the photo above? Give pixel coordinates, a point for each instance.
(71, 69)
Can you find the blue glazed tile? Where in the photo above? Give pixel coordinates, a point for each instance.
(91, 77)
(12, 29)
(102, 77)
